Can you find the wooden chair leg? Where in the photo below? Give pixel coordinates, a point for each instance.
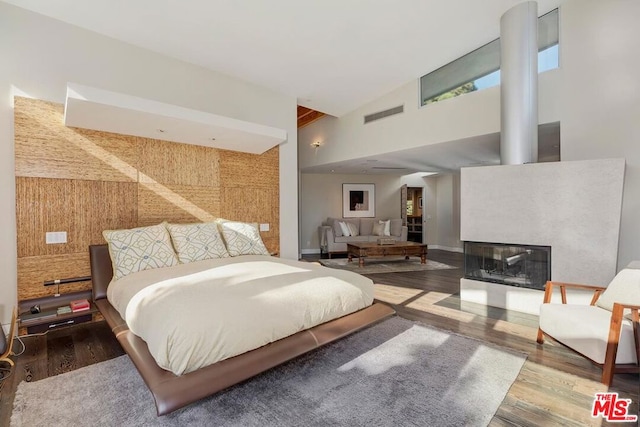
(9, 361)
(612, 344)
(540, 339)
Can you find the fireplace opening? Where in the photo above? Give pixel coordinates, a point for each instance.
(524, 266)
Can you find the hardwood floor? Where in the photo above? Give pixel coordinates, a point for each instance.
(555, 386)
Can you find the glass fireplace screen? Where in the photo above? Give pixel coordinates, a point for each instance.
(524, 266)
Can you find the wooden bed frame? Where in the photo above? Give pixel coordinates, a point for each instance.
(171, 391)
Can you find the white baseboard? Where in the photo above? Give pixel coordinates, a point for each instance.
(447, 248)
(310, 251)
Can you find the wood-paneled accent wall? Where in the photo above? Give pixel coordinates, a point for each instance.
(84, 182)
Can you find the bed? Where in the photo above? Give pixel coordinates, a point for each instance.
(172, 391)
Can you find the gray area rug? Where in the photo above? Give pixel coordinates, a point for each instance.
(396, 373)
(385, 265)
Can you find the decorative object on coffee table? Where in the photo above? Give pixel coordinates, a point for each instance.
(386, 241)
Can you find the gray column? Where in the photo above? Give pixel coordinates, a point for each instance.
(519, 84)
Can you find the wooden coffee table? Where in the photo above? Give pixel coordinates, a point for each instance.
(363, 250)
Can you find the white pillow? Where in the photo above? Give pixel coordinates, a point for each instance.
(378, 229)
(387, 227)
(139, 249)
(242, 238)
(344, 228)
(197, 242)
(353, 229)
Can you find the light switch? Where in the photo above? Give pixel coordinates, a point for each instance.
(55, 237)
(264, 227)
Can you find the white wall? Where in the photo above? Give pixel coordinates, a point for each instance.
(321, 197)
(448, 212)
(40, 55)
(600, 41)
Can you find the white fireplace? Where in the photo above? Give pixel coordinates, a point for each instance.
(572, 207)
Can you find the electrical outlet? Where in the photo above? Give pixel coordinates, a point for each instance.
(55, 237)
(264, 227)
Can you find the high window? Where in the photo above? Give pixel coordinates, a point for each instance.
(480, 69)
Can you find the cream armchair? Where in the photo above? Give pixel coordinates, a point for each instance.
(606, 331)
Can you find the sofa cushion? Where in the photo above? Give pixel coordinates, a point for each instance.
(349, 239)
(395, 227)
(366, 226)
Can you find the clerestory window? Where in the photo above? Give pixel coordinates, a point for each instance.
(480, 69)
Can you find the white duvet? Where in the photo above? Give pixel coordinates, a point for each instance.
(196, 314)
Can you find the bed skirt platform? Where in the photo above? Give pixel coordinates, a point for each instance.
(172, 392)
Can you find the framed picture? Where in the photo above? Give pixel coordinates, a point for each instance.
(358, 200)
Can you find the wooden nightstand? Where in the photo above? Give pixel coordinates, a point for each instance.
(39, 324)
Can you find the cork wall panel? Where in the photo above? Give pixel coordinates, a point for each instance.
(177, 203)
(81, 208)
(45, 147)
(99, 206)
(43, 205)
(174, 163)
(250, 170)
(34, 271)
(84, 182)
(261, 205)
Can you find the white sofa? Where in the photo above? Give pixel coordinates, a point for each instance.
(332, 239)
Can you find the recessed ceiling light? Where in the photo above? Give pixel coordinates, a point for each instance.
(333, 170)
(213, 139)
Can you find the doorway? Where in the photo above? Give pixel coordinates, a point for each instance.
(414, 209)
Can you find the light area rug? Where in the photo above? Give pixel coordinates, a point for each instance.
(385, 265)
(395, 373)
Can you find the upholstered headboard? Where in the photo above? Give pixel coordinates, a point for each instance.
(101, 270)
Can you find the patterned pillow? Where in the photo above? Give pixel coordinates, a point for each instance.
(139, 249)
(242, 238)
(197, 242)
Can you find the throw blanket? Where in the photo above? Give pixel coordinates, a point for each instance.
(193, 315)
